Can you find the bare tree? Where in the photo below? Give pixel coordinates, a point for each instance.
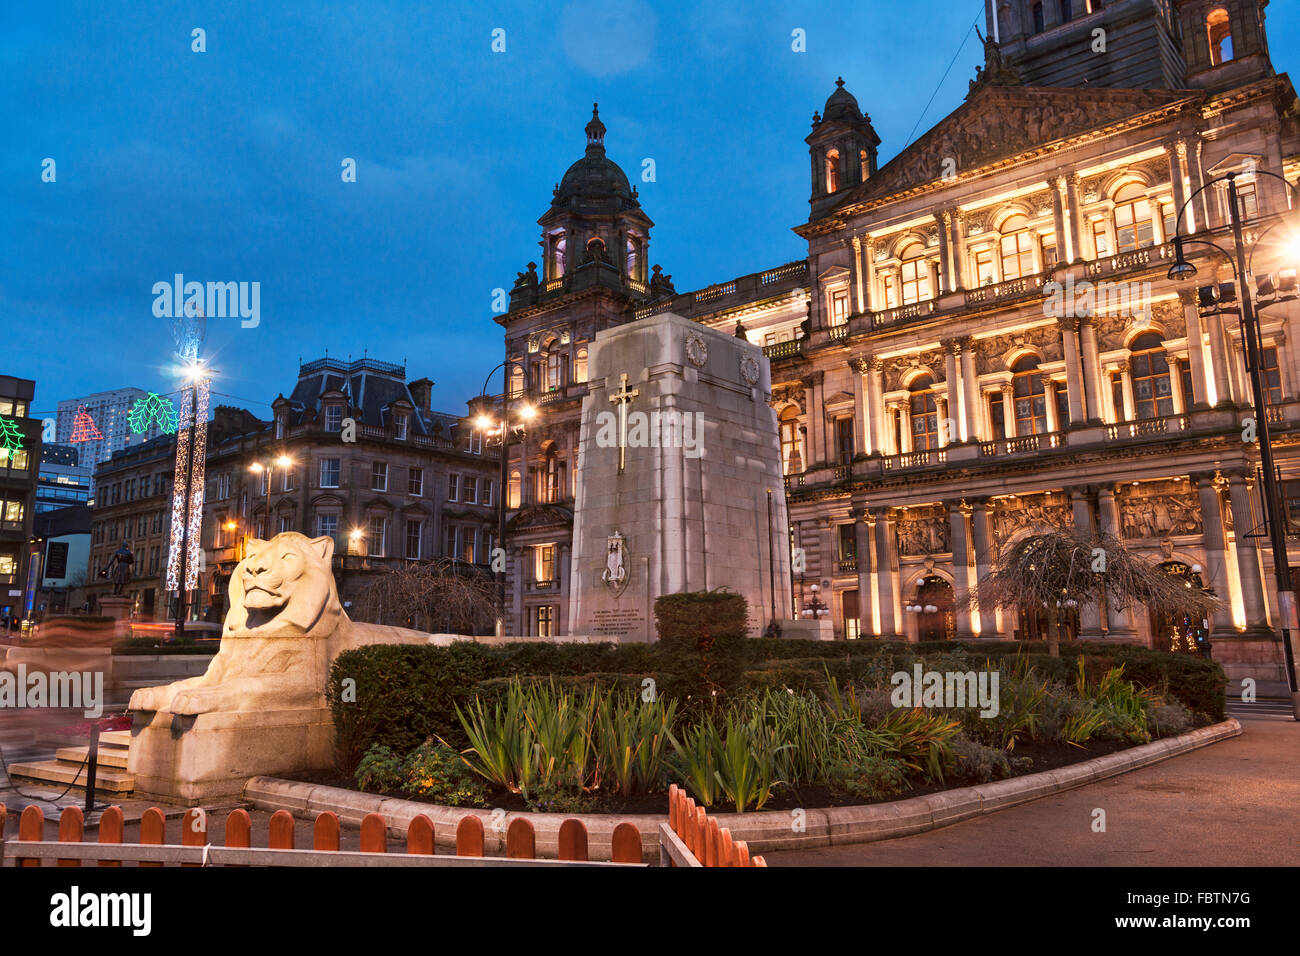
(1056, 570)
(435, 596)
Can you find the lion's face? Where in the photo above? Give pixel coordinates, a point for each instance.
(284, 587)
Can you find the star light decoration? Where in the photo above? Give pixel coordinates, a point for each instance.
(153, 408)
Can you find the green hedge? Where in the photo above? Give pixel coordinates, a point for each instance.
(701, 647)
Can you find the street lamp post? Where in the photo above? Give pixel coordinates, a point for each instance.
(1181, 271)
(484, 421)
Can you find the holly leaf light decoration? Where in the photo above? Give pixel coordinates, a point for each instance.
(150, 409)
(11, 439)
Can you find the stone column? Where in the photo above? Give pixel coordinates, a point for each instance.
(1117, 621)
(945, 262)
(1089, 614)
(1130, 404)
(1091, 370)
(1176, 386)
(856, 270)
(957, 511)
(861, 431)
(1008, 411)
(862, 542)
(1195, 347)
(1072, 195)
(1219, 362)
(1216, 553)
(1073, 372)
(875, 394)
(946, 436)
(1177, 150)
(885, 572)
(985, 555)
(951, 351)
(1252, 582)
(1057, 187)
(563, 554)
(816, 420)
(1201, 205)
(958, 251)
(869, 275)
(1049, 398)
(970, 385)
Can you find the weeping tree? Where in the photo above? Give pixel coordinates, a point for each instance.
(1059, 570)
(436, 596)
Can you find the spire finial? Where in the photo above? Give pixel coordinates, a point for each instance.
(839, 82)
(595, 128)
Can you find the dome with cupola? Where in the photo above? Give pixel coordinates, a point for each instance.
(595, 180)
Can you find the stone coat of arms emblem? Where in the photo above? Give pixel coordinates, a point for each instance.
(697, 350)
(615, 574)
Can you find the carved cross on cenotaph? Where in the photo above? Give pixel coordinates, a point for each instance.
(622, 397)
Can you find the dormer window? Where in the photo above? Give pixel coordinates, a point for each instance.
(399, 426)
(279, 426)
(333, 418)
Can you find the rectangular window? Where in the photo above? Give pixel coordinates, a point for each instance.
(414, 530)
(543, 621)
(279, 427)
(13, 511)
(848, 543)
(449, 546)
(544, 563)
(333, 418)
(453, 487)
(1048, 248)
(282, 524)
(327, 526)
(487, 493)
(415, 482)
(1271, 376)
(996, 419)
(984, 268)
(1185, 383)
(377, 540)
(471, 489)
(844, 439)
(468, 538)
(1100, 240)
(399, 427)
(1117, 395)
(475, 442)
(264, 482)
(1247, 200)
(329, 472)
(852, 623)
(840, 307)
(379, 476)
(1062, 406)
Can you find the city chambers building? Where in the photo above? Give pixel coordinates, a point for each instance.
(983, 340)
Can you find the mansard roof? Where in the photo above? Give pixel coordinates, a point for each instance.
(998, 122)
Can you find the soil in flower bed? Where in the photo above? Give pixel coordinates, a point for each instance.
(1045, 756)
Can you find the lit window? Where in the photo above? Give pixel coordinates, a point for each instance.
(580, 366)
(916, 274)
(557, 267)
(1152, 394)
(1219, 30)
(832, 170)
(985, 271)
(517, 381)
(1030, 397)
(1133, 226)
(1100, 238)
(1272, 376)
(512, 494)
(1017, 249)
(925, 414)
(544, 563)
(839, 307)
(790, 456)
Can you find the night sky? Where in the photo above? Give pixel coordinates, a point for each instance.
(225, 165)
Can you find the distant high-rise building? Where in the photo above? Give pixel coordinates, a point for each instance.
(62, 481)
(109, 412)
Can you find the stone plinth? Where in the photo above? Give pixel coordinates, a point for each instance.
(688, 509)
(118, 607)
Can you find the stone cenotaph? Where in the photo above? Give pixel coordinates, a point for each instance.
(679, 479)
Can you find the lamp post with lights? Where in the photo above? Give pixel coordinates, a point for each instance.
(487, 424)
(1182, 271)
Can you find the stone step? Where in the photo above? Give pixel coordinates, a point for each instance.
(62, 772)
(107, 757)
(115, 738)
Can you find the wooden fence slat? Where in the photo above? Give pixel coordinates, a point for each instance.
(281, 831)
(31, 827)
(625, 847)
(239, 831)
(153, 830)
(72, 826)
(419, 836)
(521, 840)
(374, 834)
(701, 834)
(674, 799)
(469, 836)
(726, 849)
(573, 840)
(712, 840)
(325, 832)
(758, 861)
(742, 853)
(112, 827)
(192, 835)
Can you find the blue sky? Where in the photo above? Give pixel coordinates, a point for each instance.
(225, 165)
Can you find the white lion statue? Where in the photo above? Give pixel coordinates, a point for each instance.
(284, 628)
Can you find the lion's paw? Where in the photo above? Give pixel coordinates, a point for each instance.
(191, 702)
(145, 698)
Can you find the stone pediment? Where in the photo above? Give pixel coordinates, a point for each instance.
(998, 122)
(541, 516)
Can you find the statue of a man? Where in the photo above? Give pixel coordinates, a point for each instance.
(119, 566)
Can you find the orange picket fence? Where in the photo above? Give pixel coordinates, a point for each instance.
(31, 848)
(693, 838)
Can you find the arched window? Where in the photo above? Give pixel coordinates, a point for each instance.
(557, 263)
(1134, 228)
(1067, 11)
(512, 490)
(1152, 395)
(633, 257)
(916, 274)
(554, 367)
(1219, 29)
(864, 165)
(516, 382)
(790, 456)
(1030, 397)
(832, 170)
(580, 366)
(1017, 248)
(1040, 22)
(925, 414)
(552, 477)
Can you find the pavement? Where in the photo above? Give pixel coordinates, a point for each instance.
(1234, 803)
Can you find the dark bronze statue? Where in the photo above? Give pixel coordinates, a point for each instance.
(119, 566)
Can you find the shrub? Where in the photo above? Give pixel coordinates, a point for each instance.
(701, 638)
(1169, 720)
(975, 762)
(872, 778)
(436, 772)
(380, 770)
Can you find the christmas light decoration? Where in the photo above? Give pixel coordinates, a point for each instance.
(11, 439)
(83, 427)
(151, 409)
(186, 523)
